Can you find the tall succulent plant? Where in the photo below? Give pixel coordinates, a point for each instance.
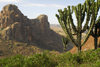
(81, 11)
(96, 33)
(96, 29)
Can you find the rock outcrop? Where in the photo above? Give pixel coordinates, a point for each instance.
(15, 26)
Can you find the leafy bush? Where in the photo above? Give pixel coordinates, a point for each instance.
(37, 60)
(90, 58)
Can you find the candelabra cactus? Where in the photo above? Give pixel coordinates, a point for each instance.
(96, 29)
(96, 32)
(81, 11)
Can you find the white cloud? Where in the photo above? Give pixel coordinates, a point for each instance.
(10, 0)
(44, 5)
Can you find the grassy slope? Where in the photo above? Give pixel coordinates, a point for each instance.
(88, 58)
(9, 48)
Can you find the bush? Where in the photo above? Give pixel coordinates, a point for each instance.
(37, 60)
(88, 58)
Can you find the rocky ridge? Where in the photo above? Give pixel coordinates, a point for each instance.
(15, 26)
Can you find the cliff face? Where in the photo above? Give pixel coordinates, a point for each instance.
(15, 26)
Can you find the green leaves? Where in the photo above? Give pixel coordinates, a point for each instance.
(88, 58)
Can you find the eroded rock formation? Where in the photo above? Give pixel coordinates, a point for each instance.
(15, 26)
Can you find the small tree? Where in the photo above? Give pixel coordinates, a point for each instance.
(81, 11)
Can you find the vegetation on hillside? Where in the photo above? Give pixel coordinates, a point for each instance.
(89, 58)
(9, 48)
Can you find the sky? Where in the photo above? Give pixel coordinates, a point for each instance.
(33, 8)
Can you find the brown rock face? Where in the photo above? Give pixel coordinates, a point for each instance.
(44, 23)
(15, 26)
(9, 15)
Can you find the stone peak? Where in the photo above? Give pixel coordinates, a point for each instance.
(43, 18)
(10, 7)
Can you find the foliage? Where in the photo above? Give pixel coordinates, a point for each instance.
(90, 58)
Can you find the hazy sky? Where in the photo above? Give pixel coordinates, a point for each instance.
(33, 8)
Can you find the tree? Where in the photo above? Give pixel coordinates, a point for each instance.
(81, 11)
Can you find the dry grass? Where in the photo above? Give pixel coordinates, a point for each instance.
(9, 48)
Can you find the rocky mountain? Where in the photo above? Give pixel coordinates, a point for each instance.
(17, 27)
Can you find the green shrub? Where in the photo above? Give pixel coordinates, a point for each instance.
(90, 58)
(15, 61)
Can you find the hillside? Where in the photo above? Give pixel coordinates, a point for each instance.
(88, 45)
(12, 48)
(57, 28)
